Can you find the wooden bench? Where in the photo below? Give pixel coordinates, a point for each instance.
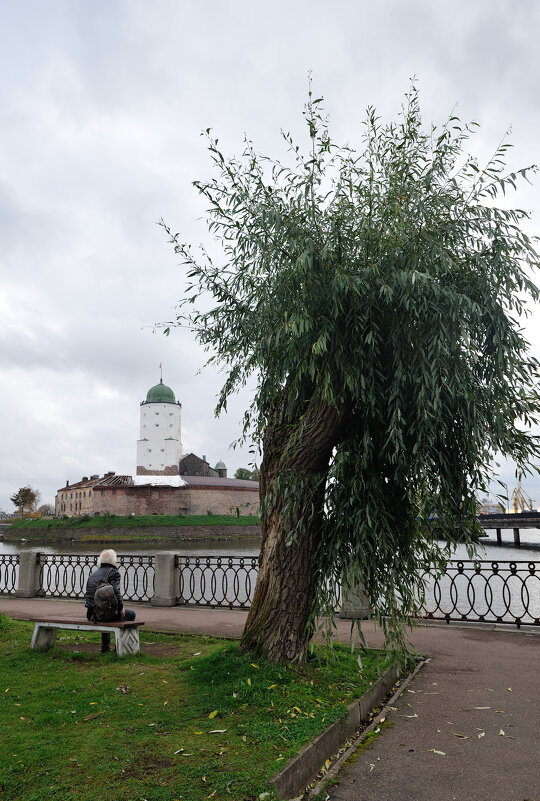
(126, 634)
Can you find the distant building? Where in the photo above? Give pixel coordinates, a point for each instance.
(166, 480)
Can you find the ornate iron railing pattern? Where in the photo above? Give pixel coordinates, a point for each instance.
(484, 592)
(138, 575)
(9, 572)
(467, 590)
(65, 575)
(217, 580)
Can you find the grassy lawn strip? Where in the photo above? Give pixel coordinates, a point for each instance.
(202, 722)
(120, 521)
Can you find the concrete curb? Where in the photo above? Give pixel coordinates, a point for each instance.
(305, 766)
(344, 755)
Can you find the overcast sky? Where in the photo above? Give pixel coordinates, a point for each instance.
(102, 103)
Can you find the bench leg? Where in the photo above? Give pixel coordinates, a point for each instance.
(127, 641)
(43, 638)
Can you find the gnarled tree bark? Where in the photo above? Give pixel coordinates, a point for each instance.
(280, 622)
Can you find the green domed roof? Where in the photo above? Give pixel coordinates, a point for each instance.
(160, 394)
(220, 466)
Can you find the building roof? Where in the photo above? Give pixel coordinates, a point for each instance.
(158, 481)
(215, 481)
(161, 393)
(109, 479)
(220, 466)
(115, 481)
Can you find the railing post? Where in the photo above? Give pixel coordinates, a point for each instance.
(29, 574)
(354, 603)
(165, 579)
(499, 536)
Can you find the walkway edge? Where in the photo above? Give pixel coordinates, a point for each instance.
(304, 767)
(342, 757)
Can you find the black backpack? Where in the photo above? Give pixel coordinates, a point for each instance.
(105, 601)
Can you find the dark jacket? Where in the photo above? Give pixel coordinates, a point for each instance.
(100, 574)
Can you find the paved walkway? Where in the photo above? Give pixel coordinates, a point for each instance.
(481, 684)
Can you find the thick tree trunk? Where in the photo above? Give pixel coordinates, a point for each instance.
(280, 622)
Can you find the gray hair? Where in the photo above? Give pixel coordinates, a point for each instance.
(108, 556)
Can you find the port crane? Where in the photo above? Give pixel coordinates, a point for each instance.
(521, 502)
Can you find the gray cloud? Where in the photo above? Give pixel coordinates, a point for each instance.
(101, 108)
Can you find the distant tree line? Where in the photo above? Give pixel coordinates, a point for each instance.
(247, 475)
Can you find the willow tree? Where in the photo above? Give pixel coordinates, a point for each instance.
(375, 295)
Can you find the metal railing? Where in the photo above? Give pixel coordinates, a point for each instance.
(65, 575)
(467, 590)
(217, 580)
(484, 592)
(9, 572)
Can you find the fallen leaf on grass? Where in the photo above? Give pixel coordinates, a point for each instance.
(461, 736)
(179, 751)
(509, 689)
(411, 716)
(482, 734)
(501, 733)
(92, 717)
(217, 731)
(434, 751)
(213, 714)
(481, 707)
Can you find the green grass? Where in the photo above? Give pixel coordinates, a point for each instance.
(205, 722)
(140, 521)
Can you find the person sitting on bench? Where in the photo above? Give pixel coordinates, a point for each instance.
(106, 571)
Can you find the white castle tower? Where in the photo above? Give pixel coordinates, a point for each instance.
(159, 448)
